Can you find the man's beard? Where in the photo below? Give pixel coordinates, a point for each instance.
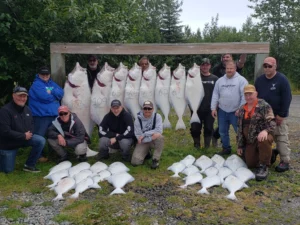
(93, 67)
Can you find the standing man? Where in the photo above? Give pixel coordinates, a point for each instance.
(67, 130)
(93, 69)
(220, 70)
(144, 63)
(204, 112)
(44, 99)
(148, 129)
(116, 131)
(17, 131)
(275, 89)
(228, 96)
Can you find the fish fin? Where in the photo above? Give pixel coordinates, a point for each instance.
(51, 186)
(90, 153)
(180, 124)
(75, 195)
(194, 118)
(117, 191)
(203, 191)
(58, 197)
(183, 186)
(231, 196)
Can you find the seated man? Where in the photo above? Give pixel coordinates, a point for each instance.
(16, 131)
(116, 131)
(148, 130)
(67, 130)
(256, 126)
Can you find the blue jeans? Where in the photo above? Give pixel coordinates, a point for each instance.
(41, 124)
(224, 121)
(7, 160)
(37, 143)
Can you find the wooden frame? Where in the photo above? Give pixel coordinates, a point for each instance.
(57, 50)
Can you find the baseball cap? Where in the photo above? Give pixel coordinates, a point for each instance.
(20, 91)
(44, 70)
(148, 104)
(249, 88)
(205, 61)
(115, 103)
(270, 61)
(63, 108)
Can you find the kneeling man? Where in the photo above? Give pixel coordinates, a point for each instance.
(148, 130)
(67, 130)
(116, 131)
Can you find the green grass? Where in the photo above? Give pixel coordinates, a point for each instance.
(260, 203)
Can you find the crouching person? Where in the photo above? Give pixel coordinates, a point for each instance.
(256, 126)
(67, 130)
(148, 130)
(16, 131)
(116, 131)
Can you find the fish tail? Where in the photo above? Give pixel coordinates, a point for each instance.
(183, 186)
(96, 186)
(175, 175)
(75, 195)
(118, 191)
(58, 197)
(180, 124)
(203, 191)
(195, 118)
(167, 123)
(51, 185)
(231, 196)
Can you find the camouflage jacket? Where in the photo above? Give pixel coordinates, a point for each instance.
(262, 119)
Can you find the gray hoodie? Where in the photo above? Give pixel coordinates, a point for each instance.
(147, 124)
(228, 93)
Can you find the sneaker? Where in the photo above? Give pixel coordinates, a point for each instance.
(31, 169)
(155, 164)
(261, 173)
(225, 152)
(43, 159)
(82, 158)
(274, 155)
(282, 167)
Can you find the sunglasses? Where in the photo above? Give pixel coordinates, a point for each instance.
(268, 66)
(146, 108)
(63, 114)
(92, 60)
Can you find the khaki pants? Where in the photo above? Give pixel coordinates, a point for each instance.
(80, 149)
(141, 151)
(258, 152)
(282, 141)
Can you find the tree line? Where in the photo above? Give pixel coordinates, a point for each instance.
(27, 27)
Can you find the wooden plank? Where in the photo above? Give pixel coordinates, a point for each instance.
(259, 59)
(58, 68)
(161, 49)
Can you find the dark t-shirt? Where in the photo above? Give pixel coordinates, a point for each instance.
(92, 74)
(208, 85)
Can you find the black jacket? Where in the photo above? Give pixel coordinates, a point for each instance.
(75, 135)
(220, 69)
(15, 121)
(112, 125)
(92, 74)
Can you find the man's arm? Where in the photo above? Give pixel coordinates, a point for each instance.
(241, 62)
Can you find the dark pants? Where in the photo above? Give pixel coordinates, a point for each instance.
(124, 145)
(207, 121)
(258, 152)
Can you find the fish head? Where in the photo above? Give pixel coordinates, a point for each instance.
(78, 76)
(105, 76)
(121, 72)
(150, 72)
(135, 72)
(165, 72)
(179, 72)
(194, 71)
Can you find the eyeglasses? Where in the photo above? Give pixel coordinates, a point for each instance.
(146, 108)
(63, 113)
(268, 66)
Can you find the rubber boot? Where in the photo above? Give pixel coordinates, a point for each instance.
(197, 142)
(207, 141)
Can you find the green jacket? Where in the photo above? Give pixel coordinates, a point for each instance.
(262, 119)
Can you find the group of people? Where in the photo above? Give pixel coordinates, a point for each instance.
(257, 113)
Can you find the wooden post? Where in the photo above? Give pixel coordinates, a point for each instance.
(58, 68)
(259, 59)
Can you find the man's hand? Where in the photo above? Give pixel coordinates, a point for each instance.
(61, 140)
(243, 58)
(236, 113)
(140, 139)
(155, 136)
(28, 135)
(240, 151)
(113, 140)
(279, 120)
(214, 113)
(262, 136)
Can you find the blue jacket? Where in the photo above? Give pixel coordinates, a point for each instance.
(41, 103)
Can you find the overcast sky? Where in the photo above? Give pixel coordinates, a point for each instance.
(196, 13)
